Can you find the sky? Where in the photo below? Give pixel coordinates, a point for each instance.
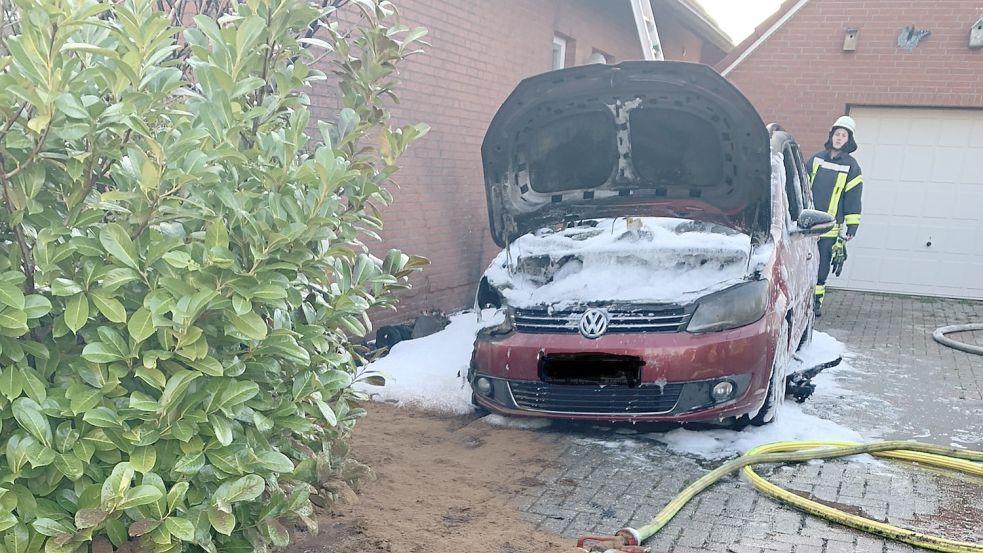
(738, 18)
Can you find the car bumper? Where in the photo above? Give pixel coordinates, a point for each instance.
(678, 371)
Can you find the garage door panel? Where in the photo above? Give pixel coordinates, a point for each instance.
(947, 164)
(973, 167)
(948, 237)
(924, 131)
(955, 133)
(885, 163)
(893, 130)
(976, 139)
(909, 197)
(913, 166)
(923, 182)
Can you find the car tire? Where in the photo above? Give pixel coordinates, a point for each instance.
(769, 411)
(806, 339)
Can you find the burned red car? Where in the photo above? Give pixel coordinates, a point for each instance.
(659, 251)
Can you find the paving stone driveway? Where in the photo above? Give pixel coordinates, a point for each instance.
(912, 388)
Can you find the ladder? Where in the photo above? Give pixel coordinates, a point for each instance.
(648, 34)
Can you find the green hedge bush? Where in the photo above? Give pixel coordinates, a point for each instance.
(182, 266)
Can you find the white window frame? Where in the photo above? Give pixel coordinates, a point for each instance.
(559, 47)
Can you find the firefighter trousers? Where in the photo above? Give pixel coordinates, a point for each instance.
(825, 258)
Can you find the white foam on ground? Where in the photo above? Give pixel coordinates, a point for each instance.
(431, 372)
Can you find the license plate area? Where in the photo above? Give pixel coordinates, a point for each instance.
(590, 369)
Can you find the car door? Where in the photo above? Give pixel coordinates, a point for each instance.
(802, 262)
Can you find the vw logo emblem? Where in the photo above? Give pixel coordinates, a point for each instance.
(593, 323)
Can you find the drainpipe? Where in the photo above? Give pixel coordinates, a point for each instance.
(648, 34)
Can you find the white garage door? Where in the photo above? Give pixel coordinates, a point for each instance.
(922, 225)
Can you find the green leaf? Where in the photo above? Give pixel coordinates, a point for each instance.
(141, 325)
(181, 528)
(190, 464)
(250, 325)
(176, 385)
(13, 319)
(143, 459)
(102, 417)
(275, 461)
(238, 392)
(51, 528)
(178, 259)
(11, 295)
(222, 428)
(117, 242)
(98, 352)
(118, 277)
(83, 398)
(36, 306)
(28, 414)
(176, 495)
(270, 292)
(326, 412)
(140, 495)
(143, 402)
(247, 488)
(17, 538)
(11, 382)
(69, 465)
(208, 365)
(216, 235)
(77, 312)
(7, 521)
(222, 522)
(241, 305)
(62, 287)
(111, 308)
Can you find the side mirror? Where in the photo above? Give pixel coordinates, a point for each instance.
(812, 222)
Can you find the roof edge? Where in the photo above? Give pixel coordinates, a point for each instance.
(761, 33)
(704, 23)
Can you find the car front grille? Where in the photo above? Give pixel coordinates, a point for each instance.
(620, 321)
(603, 400)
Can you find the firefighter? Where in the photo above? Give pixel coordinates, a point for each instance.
(837, 186)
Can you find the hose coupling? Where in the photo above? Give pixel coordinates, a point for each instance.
(626, 540)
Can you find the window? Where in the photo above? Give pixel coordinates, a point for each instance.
(559, 52)
(803, 178)
(793, 184)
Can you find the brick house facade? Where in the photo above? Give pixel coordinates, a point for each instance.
(480, 49)
(919, 111)
(798, 74)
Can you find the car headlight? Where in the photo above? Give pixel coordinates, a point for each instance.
(736, 306)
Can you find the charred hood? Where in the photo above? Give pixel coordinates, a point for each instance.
(639, 138)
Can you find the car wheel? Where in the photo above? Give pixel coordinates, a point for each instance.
(806, 339)
(776, 388)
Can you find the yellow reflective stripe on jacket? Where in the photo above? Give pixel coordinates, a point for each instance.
(852, 219)
(835, 232)
(852, 184)
(834, 200)
(815, 169)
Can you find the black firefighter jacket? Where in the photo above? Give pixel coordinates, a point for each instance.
(837, 186)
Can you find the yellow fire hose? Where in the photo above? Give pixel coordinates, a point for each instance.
(629, 540)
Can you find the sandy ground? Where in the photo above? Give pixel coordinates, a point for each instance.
(442, 485)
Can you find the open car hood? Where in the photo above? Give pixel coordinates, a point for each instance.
(636, 139)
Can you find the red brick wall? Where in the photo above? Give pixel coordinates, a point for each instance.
(802, 78)
(480, 49)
